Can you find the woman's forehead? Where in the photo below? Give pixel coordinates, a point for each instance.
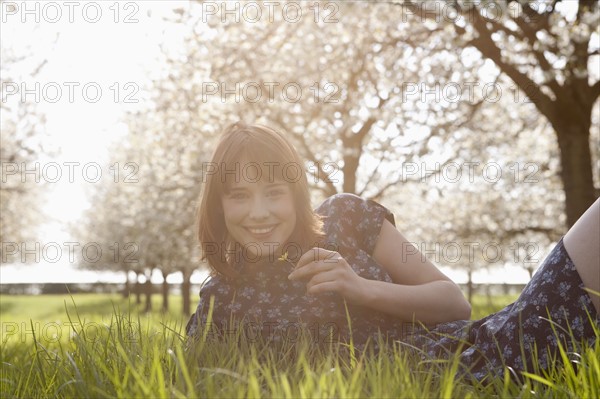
(263, 171)
(262, 183)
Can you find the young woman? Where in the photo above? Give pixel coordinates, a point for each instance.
(279, 268)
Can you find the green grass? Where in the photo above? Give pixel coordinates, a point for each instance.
(45, 308)
(110, 349)
(483, 305)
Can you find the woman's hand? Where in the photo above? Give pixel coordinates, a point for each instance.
(328, 271)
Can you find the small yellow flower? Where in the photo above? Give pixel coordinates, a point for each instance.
(284, 257)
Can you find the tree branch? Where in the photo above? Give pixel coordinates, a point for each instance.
(489, 49)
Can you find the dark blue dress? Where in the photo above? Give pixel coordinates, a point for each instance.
(266, 304)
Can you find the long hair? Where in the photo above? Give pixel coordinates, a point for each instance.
(270, 154)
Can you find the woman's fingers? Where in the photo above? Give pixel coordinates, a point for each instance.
(327, 271)
(330, 276)
(317, 254)
(308, 270)
(346, 284)
(315, 261)
(327, 266)
(322, 288)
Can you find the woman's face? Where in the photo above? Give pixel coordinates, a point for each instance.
(260, 216)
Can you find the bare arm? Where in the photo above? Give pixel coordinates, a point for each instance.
(419, 291)
(582, 243)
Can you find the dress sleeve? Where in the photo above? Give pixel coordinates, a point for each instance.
(353, 222)
(221, 292)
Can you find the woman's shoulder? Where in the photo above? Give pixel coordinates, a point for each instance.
(343, 197)
(340, 201)
(349, 205)
(215, 285)
(353, 222)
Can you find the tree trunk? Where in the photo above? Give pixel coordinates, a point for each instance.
(148, 292)
(350, 167)
(569, 113)
(138, 289)
(530, 272)
(488, 294)
(127, 287)
(185, 292)
(470, 285)
(576, 170)
(165, 293)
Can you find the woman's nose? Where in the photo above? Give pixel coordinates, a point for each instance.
(259, 209)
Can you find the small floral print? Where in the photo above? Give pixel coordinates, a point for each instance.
(353, 224)
(264, 297)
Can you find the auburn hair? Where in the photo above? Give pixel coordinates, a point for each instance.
(270, 153)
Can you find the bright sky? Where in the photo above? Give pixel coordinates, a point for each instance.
(111, 56)
(118, 57)
(101, 54)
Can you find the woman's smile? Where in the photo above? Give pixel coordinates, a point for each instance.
(261, 231)
(260, 216)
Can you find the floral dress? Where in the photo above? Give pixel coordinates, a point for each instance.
(265, 303)
(553, 310)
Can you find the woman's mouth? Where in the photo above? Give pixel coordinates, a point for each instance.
(262, 231)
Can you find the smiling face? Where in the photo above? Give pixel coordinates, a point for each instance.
(260, 216)
(242, 212)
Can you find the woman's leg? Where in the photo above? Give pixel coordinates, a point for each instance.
(552, 310)
(582, 243)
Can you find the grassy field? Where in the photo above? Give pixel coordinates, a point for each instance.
(90, 345)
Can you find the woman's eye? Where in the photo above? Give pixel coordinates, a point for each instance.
(237, 196)
(275, 193)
